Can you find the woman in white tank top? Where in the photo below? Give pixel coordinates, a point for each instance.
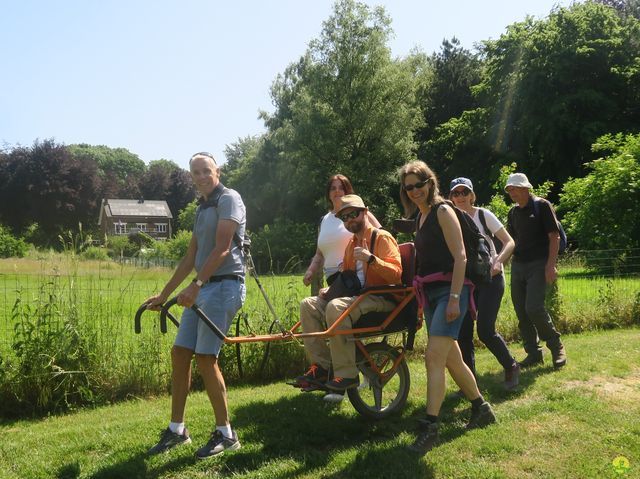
(333, 236)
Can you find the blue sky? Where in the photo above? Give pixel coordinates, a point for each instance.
(167, 78)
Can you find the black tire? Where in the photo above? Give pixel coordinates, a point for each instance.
(376, 400)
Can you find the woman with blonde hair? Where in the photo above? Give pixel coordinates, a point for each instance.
(444, 295)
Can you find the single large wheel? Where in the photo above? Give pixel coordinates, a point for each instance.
(381, 393)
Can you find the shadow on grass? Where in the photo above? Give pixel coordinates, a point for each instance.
(137, 467)
(308, 433)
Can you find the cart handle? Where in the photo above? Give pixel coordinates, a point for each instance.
(164, 311)
(163, 319)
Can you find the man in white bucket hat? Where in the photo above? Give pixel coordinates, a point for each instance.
(533, 225)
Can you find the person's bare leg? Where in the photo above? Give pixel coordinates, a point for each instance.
(461, 373)
(215, 386)
(180, 381)
(436, 359)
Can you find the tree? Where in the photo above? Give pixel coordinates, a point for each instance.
(445, 89)
(601, 208)
(555, 85)
(119, 170)
(165, 180)
(47, 185)
(346, 107)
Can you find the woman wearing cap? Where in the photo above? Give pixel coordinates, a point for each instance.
(443, 293)
(488, 296)
(333, 236)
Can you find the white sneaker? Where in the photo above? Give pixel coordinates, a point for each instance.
(333, 398)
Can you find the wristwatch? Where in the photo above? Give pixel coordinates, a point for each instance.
(454, 295)
(371, 259)
(198, 282)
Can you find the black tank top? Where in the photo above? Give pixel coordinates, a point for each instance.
(432, 252)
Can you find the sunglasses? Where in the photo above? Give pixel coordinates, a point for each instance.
(202, 153)
(463, 192)
(419, 184)
(350, 216)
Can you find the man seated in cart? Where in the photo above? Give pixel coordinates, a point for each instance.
(374, 256)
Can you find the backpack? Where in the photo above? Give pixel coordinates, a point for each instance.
(563, 236)
(497, 244)
(478, 268)
(536, 212)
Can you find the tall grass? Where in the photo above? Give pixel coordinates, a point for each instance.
(66, 329)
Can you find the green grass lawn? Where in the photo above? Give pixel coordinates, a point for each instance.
(570, 423)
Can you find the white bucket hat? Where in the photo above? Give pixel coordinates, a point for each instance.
(518, 179)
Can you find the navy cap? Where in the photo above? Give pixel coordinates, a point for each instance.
(466, 182)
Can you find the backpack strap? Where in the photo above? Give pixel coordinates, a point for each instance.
(212, 202)
(374, 235)
(483, 221)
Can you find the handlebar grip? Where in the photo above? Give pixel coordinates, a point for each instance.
(141, 310)
(164, 311)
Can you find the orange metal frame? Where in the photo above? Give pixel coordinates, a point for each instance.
(333, 330)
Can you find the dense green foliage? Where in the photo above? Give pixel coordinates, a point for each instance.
(10, 245)
(538, 96)
(601, 209)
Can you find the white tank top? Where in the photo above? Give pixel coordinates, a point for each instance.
(332, 241)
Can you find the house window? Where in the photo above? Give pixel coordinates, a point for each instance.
(142, 227)
(161, 227)
(120, 228)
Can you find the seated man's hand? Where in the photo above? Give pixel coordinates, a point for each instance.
(323, 293)
(361, 254)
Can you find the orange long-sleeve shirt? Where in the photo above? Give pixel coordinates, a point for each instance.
(387, 268)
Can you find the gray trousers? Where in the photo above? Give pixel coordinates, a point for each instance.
(528, 288)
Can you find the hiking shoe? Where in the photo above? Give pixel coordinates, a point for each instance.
(559, 357)
(481, 417)
(217, 444)
(315, 375)
(168, 440)
(426, 439)
(531, 360)
(342, 384)
(512, 377)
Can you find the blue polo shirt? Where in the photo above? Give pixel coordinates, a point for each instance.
(230, 207)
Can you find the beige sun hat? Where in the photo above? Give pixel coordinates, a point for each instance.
(518, 180)
(350, 201)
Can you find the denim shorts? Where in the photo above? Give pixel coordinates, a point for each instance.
(220, 301)
(436, 313)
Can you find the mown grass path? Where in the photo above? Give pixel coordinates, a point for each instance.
(571, 423)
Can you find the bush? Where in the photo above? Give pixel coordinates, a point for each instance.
(53, 359)
(11, 246)
(177, 246)
(95, 253)
(601, 209)
(121, 246)
(187, 216)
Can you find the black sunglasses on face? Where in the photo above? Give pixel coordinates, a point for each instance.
(463, 192)
(349, 216)
(419, 184)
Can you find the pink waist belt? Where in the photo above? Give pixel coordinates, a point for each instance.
(419, 282)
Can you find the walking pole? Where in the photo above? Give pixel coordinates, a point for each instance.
(246, 246)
